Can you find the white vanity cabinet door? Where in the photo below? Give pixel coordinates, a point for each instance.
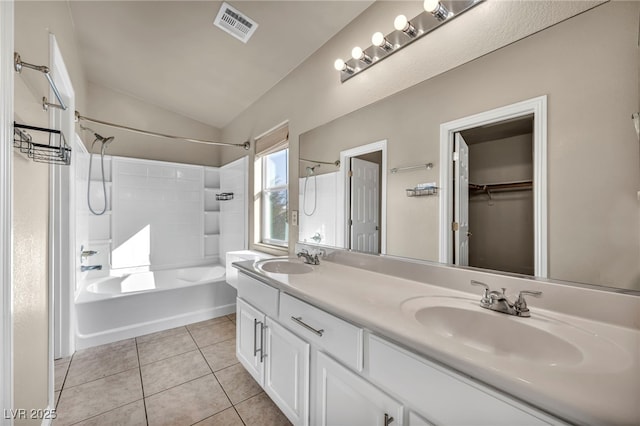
(442, 395)
(344, 398)
(250, 339)
(286, 374)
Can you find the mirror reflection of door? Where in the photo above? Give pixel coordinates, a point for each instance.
(364, 220)
(493, 190)
(364, 223)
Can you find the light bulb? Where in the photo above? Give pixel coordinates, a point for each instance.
(431, 5)
(436, 8)
(401, 23)
(359, 55)
(377, 39)
(341, 65)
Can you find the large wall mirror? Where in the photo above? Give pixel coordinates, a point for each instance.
(587, 70)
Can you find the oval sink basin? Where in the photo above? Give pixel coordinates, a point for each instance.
(284, 266)
(459, 324)
(498, 334)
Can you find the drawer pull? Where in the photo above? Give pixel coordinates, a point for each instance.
(307, 326)
(387, 419)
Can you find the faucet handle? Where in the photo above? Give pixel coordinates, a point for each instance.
(485, 295)
(521, 303)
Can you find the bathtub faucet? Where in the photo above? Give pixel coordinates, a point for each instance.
(86, 253)
(84, 268)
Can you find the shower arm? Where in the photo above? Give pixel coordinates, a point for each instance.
(246, 145)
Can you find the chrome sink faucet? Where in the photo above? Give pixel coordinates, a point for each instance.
(498, 301)
(309, 258)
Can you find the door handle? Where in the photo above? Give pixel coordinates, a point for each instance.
(387, 419)
(262, 332)
(255, 338)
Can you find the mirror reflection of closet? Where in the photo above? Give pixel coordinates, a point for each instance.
(500, 200)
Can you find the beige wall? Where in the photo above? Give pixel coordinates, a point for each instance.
(33, 23)
(593, 168)
(116, 107)
(312, 94)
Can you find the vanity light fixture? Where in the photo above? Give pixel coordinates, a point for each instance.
(378, 39)
(359, 55)
(436, 13)
(436, 8)
(401, 23)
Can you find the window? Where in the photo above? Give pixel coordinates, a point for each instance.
(275, 196)
(272, 182)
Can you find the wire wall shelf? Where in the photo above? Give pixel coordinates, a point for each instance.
(420, 192)
(45, 146)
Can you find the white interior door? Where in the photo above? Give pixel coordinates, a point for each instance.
(461, 201)
(365, 200)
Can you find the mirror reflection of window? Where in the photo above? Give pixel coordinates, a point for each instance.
(275, 194)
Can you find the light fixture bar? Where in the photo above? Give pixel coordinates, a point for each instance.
(439, 13)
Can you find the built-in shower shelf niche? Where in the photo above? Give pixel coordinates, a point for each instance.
(211, 223)
(211, 212)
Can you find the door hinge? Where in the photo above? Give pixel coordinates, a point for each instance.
(456, 156)
(455, 226)
(350, 174)
(351, 222)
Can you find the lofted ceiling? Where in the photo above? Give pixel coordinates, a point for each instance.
(169, 53)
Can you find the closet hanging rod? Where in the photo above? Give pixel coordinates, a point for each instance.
(335, 163)
(427, 166)
(246, 145)
(18, 65)
(526, 184)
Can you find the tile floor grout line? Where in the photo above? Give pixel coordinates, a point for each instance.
(160, 337)
(144, 402)
(66, 374)
(100, 378)
(215, 377)
(169, 357)
(179, 384)
(105, 412)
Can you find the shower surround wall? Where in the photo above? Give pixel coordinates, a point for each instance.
(159, 214)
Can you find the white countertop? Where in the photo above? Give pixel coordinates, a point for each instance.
(593, 390)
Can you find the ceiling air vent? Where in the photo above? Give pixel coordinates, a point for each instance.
(234, 22)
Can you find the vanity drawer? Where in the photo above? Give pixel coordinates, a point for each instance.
(341, 339)
(441, 395)
(261, 295)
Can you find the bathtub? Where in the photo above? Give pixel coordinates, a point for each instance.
(113, 308)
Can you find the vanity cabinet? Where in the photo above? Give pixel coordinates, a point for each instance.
(322, 369)
(275, 357)
(345, 398)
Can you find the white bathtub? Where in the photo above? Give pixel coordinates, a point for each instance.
(114, 308)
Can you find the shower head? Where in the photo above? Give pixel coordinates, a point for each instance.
(105, 141)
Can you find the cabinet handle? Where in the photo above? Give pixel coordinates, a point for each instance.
(387, 419)
(255, 339)
(262, 332)
(307, 326)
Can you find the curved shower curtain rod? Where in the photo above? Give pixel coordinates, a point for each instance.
(246, 145)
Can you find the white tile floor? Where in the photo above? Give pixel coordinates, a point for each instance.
(183, 376)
